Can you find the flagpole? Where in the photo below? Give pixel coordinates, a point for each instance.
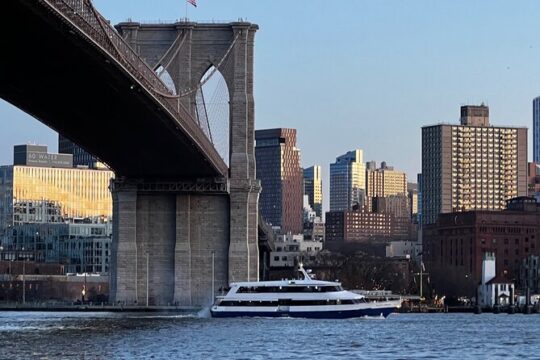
(186, 11)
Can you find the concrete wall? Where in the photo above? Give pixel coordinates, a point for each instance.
(202, 227)
(181, 241)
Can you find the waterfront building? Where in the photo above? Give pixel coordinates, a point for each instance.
(313, 188)
(494, 290)
(471, 166)
(348, 182)
(290, 249)
(385, 181)
(80, 156)
(45, 203)
(49, 283)
(79, 247)
(278, 169)
(347, 231)
(536, 130)
(529, 277)
(455, 245)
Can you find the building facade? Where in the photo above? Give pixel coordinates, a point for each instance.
(454, 247)
(292, 249)
(278, 169)
(530, 274)
(348, 182)
(536, 130)
(350, 230)
(80, 156)
(46, 203)
(79, 247)
(313, 188)
(396, 205)
(31, 194)
(471, 166)
(412, 191)
(533, 182)
(385, 181)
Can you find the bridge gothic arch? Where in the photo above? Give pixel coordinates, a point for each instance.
(179, 212)
(187, 51)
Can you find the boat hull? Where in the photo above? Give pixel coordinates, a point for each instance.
(330, 314)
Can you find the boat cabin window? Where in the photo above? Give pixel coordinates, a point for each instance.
(290, 302)
(289, 289)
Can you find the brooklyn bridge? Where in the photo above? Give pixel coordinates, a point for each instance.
(185, 209)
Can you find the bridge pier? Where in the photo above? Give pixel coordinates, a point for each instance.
(223, 222)
(171, 242)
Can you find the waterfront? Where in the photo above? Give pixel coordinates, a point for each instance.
(48, 335)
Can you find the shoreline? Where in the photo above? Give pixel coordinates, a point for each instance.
(99, 308)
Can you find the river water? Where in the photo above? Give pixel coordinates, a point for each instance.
(41, 335)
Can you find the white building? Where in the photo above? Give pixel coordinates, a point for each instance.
(403, 249)
(309, 213)
(493, 290)
(348, 181)
(292, 248)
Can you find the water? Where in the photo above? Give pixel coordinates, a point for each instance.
(151, 336)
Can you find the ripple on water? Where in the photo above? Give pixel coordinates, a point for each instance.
(146, 336)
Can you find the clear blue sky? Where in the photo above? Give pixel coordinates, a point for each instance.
(361, 74)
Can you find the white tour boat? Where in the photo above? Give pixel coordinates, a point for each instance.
(307, 298)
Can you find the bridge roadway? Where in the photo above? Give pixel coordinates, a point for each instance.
(72, 84)
(180, 214)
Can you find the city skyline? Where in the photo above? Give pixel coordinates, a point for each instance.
(387, 92)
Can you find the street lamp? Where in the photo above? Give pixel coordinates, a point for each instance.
(147, 278)
(24, 280)
(213, 274)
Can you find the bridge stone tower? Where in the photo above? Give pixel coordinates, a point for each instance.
(175, 239)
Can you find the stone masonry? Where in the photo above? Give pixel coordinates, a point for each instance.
(167, 244)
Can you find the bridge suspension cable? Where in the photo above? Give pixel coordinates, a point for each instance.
(88, 20)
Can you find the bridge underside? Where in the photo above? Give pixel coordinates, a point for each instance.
(184, 223)
(51, 72)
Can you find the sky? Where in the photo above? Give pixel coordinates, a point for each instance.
(360, 74)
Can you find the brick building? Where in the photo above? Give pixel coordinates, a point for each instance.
(455, 245)
(352, 230)
(278, 169)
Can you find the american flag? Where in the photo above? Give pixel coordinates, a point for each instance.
(192, 2)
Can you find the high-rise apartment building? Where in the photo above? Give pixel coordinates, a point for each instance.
(313, 188)
(385, 181)
(471, 166)
(278, 169)
(536, 130)
(80, 156)
(348, 182)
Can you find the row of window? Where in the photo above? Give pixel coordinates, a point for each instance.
(289, 302)
(289, 289)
